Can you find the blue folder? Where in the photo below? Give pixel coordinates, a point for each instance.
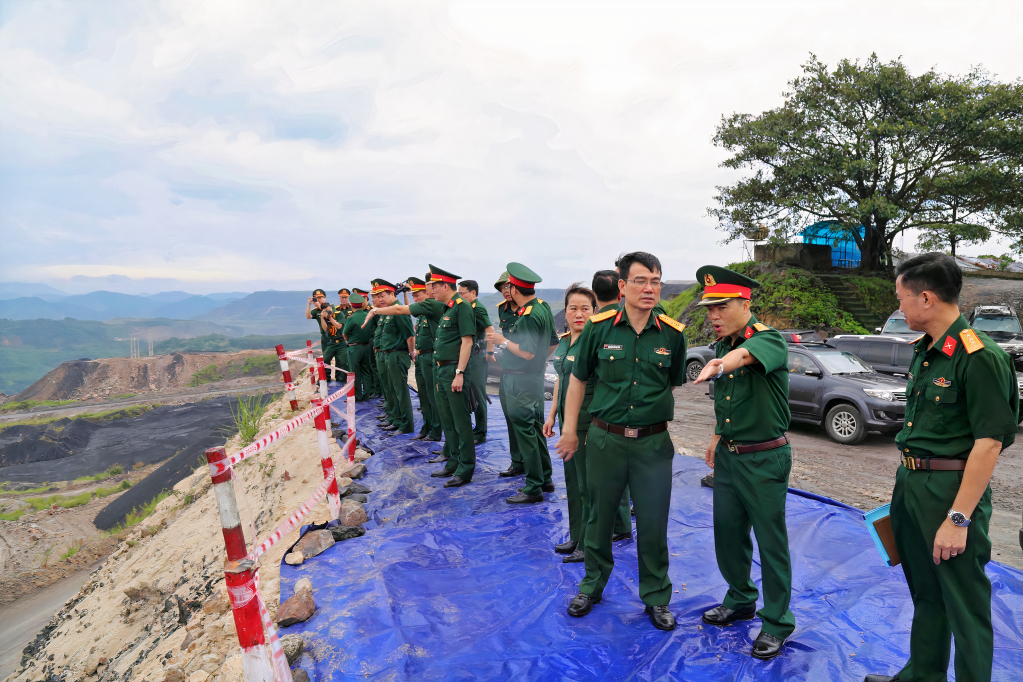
(879, 517)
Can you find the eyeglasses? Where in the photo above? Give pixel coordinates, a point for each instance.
(642, 282)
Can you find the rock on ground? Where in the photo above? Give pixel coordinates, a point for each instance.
(297, 609)
(347, 532)
(292, 645)
(314, 542)
(352, 513)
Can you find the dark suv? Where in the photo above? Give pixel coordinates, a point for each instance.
(698, 356)
(887, 354)
(1002, 325)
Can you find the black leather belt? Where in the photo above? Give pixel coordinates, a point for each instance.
(746, 448)
(356, 344)
(423, 352)
(630, 431)
(931, 463)
(444, 363)
(395, 350)
(516, 372)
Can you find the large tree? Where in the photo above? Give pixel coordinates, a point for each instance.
(869, 144)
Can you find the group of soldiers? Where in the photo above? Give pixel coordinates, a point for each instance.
(617, 362)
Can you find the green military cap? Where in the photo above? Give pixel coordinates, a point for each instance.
(501, 281)
(344, 291)
(356, 300)
(357, 290)
(319, 292)
(438, 275)
(381, 285)
(416, 284)
(721, 284)
(521, 276)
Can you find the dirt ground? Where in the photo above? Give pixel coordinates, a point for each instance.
(861, 475)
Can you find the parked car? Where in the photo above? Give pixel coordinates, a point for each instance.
(550, 377)
(1002, 325)
(698, 356)
(896, 325)
(839, 391)
(886, 354)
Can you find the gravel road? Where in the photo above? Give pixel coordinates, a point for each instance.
(862, 475)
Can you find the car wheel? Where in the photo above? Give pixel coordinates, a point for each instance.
(693, 369)
(547, 395)
(845, 424)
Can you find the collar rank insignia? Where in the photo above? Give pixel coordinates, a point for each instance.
(942, 382)
(971, 342)
(708, 280)
(749, 332)
(760, 327)
(451, 303)
(674, 324)
(949, 346)
(662, 351)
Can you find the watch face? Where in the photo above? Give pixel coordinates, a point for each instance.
(958, 518)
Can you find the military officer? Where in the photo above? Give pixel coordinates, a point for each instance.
(397, 346)
(523, 365)
(374, 380)
(384, 388)
(424, 365)
(335, 358)
(962, 410)
(359, 339)
(312, 312)
(477, 375)
(637, 358)
(452, 348)
(751, 458)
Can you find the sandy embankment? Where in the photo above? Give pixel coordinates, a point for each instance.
(128, 613)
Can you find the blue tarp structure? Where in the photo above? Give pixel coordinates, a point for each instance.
(844, 251)
(455, 584)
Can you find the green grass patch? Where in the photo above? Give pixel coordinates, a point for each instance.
(12, 516)
(103, 416)
(115, 470)
(139, 514)
(28, 491)
(72, 550)
(249, 411)
(106, 492)
(124, 395)
(265, 364)
(206, 375)
(40, 503)
(29, 404)
(877, 293)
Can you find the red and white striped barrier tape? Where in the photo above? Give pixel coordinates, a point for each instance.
(289, 524)
(240, 596)
(301, 351)
(217, 468)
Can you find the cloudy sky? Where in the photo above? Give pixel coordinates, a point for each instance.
(219, 146)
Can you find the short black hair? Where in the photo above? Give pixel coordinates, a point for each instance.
(648, 260)
(449, 285)
(605, 285)
(524, 291)
(471, 285)
(935, 272)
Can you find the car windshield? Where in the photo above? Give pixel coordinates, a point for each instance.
(897, 325)
(840, 362)
(997, 323)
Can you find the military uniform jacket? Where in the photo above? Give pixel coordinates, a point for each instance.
(752, 403)
(563, 361)
(482, 322)
(376, 332)
(341, 315)
(424, 334)
(635, 372)
(324, 338)
(532, 330)
(354, 330)
(454, 320)
(962, 389)
(505, 315)
(394, 330)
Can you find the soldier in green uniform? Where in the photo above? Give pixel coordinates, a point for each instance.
(359, 339)
(397, 346)
(961, 412)
(477, 374)
(312, 312)
(424, 365)
(373, 380)
(384, 388)
(637, 358)
(335, 357)
(751, 458)
(523, 364)
(580, 305)
(452, 347)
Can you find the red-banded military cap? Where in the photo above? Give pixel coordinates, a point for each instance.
(356, 300)
(380, 286)
(319, 292)
(416, 284)
(438, 275)
(721, 284)
(522, 277)
(343, 292)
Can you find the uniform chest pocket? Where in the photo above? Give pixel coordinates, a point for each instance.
(611, 364)
(940, 408)
(659, 357)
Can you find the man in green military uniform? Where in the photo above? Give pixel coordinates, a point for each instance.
(452, 347)
(335, 355)
(751, 458)
(477, 374)
(397, 346)
(961, 412)
(523, 364)
(373, 381)
(359, 339)
(637, 358)
(424, 365)
(384, 387)
(312, 312)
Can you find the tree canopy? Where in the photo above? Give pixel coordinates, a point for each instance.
(870, 144)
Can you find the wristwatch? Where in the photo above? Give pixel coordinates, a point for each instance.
(459, 371)
(490, 352)
(958, 518)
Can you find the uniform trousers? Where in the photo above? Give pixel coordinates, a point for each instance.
(749, 492)
(513, 443)
(427, 388)
(644, 464)
(338, 355)
(476, 373)
(578, 494)
(359, 361)
(396, 366)
(454, 417)
(953, 598)
(384, 386)
(524, 404)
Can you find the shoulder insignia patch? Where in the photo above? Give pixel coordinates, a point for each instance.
(918, 338)
(760, 327)
(539, 300)
(528, 310)
(561, 336)
(500, 304)
(674, 324)
(474, 304)
(971, 342)
(606, 315)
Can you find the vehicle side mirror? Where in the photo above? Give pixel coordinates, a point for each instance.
(877, 330)
(812, 372)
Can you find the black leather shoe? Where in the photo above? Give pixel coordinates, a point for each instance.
(418, 436)
(767, 646)
(456, 482)
(392, 427)
(443, 473)
(708, 480)
(575, 557)
(547, 487)
(723, 616)
(436, 452)
(430, 439)
(661, 617)
(566, 547)
(511, 471)
(479, 440)
(880, 678)
(621, 536)
(524, 499)
(438, 459)
(581, 605)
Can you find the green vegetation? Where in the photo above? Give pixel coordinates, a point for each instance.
(106, 492)
(123, 395)
(206, 375)
(115, 470)
(28, 491)
(103, 416)
(29, 404)
(247, 415)
(877, 293)
(219, 342)
(139, 514)
(1003, 261)
(46, 554)
(40, 503)
(75, 547)
(13, 516)
(264, 364)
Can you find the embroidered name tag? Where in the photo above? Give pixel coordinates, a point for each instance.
(612, 346)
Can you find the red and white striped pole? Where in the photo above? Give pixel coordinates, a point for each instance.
(289, 388)
(321, 372)
(326, 461)
(350, 443)
(240, 577)
(312, 363)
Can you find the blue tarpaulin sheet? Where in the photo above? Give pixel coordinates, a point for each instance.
(455, 584)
